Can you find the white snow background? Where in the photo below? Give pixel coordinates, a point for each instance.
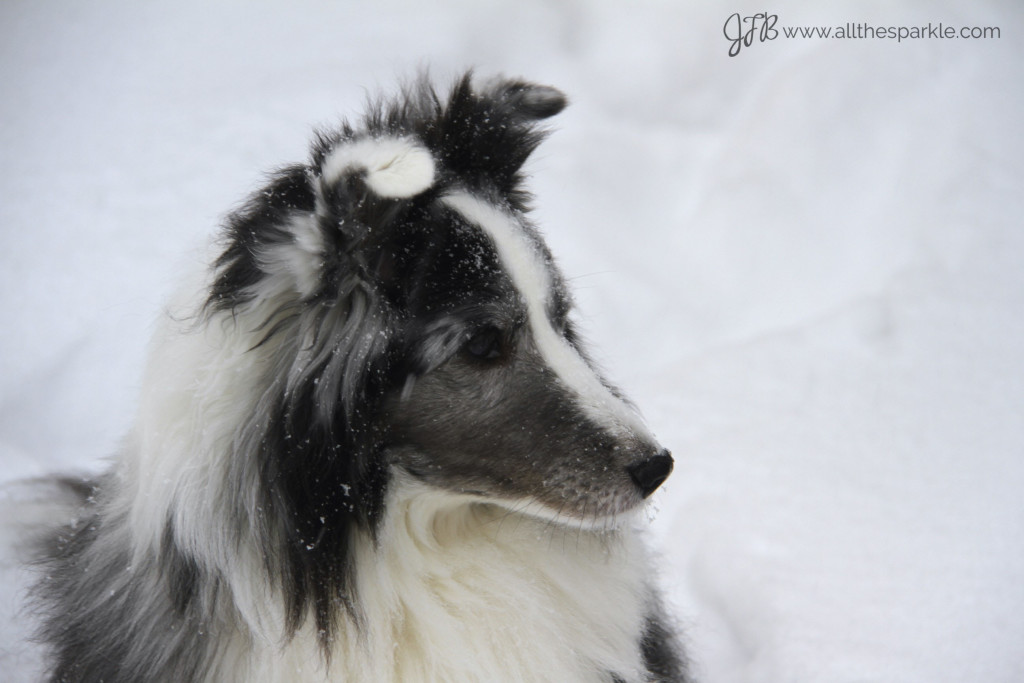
(804, 263)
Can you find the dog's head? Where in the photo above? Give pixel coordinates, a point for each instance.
(409, 316)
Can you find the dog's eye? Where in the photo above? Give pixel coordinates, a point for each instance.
(485, 344)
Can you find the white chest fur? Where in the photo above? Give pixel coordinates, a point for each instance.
(461, 591)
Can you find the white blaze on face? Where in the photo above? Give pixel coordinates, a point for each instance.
(525, 266)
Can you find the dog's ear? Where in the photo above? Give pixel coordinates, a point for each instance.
(389, 167)
(528, 101)
(485, 135)
(363, 186)
(313, 226)
(298, 275)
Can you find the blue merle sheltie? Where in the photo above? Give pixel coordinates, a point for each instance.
(370, 444)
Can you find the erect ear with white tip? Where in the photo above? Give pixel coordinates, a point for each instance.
(394, 168)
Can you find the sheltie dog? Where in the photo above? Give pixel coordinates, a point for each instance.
(370, 444)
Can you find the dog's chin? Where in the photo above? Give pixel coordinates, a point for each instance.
(610, 512)
(600, 518)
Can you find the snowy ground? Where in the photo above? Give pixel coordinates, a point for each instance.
(806, 263)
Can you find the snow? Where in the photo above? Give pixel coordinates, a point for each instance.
(805, 263)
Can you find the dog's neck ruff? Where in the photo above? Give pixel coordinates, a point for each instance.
(476, 593)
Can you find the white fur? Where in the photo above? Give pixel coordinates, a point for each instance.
(464, 591)
(297, 265)
(523, 263)
(200, 387)
(455, 590)
(396, 168)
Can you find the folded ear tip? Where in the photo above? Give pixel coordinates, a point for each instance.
(395, 168)
(407, 173)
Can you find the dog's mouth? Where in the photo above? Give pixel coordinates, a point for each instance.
(598, 519)
(595, 505)
(586, 487)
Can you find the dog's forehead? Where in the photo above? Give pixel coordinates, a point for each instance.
(514, 249)
(459, 266)
(481, 250)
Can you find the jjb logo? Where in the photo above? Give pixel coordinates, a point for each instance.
(741, 31)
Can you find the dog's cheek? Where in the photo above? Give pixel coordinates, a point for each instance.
(457, 427)
(511, 432)
(438, 416)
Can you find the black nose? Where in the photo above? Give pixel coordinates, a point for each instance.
(651, 473)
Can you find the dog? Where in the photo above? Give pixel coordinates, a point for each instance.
(371, 445)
